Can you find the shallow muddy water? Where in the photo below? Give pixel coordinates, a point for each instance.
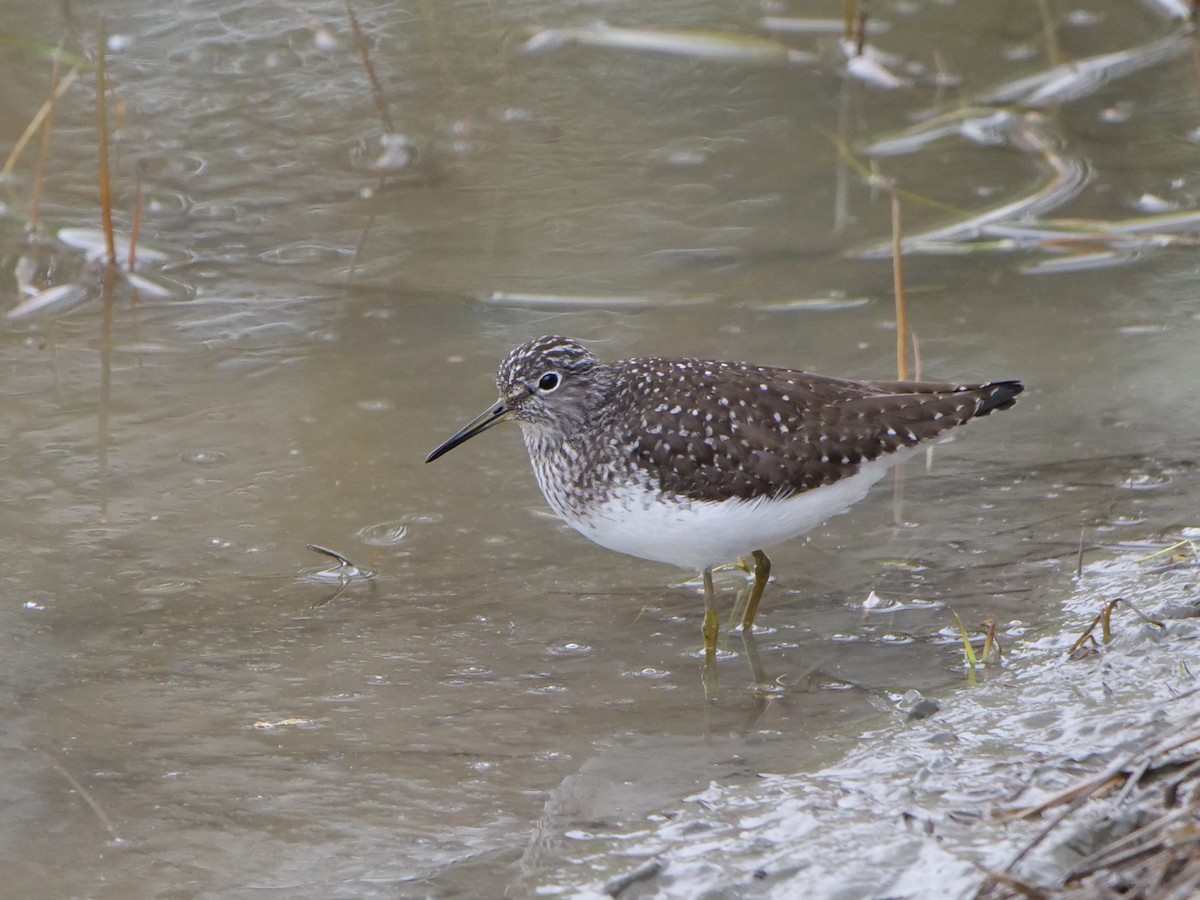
(191, 708)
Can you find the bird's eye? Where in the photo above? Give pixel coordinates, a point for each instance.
(548, 382)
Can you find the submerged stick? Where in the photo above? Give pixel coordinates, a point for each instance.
(83, 792)
(1048, 35)
(104, 404)
(136, 228)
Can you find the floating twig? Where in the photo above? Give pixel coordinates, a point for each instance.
(1048, 33)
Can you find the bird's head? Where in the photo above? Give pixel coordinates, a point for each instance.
(551, 383)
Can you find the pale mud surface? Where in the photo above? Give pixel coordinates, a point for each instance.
(928, 806)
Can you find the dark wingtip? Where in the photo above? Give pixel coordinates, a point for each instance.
(1003, 395)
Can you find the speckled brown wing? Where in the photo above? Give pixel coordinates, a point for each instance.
(714, 431)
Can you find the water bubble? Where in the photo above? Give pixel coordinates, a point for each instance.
(1125, 521)
(339, 574)
(203, 457)
(874, 603)
(569, 648)
(473, 671)
(835, 685)
(1152, 204)
(548, 689)
(1143, 328)
(648, 672)
(1142, 481)
(297, 253)
(1083, 18)
(397, 152)
(1019, 52)
(380, 404)
(164, 586)
(384, 534)
(1117, 114)
(833, 302)
(172, 165)
(516, 115)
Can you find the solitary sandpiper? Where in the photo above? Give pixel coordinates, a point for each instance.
(701, 462)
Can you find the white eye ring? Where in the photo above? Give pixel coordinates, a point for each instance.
(549, 382)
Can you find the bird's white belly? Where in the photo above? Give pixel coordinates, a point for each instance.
(694, 535)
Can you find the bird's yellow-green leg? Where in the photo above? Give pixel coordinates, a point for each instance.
(711, 622)
(762, 571)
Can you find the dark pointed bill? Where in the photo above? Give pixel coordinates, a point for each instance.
(482, 422)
